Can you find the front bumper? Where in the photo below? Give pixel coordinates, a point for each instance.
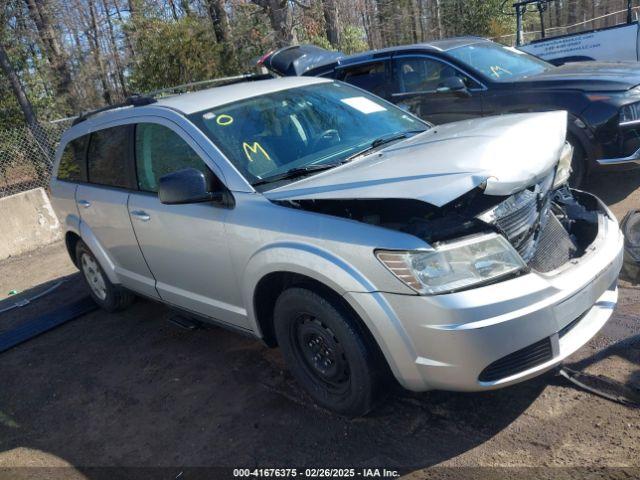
(634, 158)
(448, 341)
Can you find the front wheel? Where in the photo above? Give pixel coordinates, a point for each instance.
(328, 351)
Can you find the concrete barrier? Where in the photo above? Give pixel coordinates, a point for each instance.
(27, 221)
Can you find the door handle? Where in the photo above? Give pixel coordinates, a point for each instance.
(84, 203)
(140, 215)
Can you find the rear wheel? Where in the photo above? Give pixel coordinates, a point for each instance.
(108, 296)
(328, 352)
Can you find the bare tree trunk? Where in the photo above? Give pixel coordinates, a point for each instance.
(438, 17)
(17, 88)
(222, 32)
(39, 12)
(97, 54)
(421, 20)
(281, 19)
(369, 21)
(174, 10)
(332, 21)
(381, 13)
(572, 13)
(114, 50)
(219, 20)
(127, 38)
(27, 110)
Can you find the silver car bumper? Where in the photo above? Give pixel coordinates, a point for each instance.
(449, 341)
(633, 158)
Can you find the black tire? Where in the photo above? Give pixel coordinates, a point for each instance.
(115, 298)
(579, 167)
(328, 351)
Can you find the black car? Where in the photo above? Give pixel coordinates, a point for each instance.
(455, 79)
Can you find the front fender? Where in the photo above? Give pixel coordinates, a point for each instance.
(308, 260)
(360, 293)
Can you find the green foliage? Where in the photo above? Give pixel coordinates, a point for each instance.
(251, 35)
(353, 40)
(173, 53)
(476, 17)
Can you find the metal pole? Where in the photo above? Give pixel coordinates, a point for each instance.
(519, 35)
(541, 11)
(629, 16)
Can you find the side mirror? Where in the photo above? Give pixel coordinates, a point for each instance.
(191, 186)
(453, 85)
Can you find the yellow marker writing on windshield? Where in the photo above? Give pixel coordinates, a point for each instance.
(223, 120)
(253, 149)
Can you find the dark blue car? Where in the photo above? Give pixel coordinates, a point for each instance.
(460, 78)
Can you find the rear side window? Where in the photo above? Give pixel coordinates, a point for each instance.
(72, 166)
(159, 151)
(108, 157)
(371, 77)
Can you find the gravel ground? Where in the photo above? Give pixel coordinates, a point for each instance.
(131, 389)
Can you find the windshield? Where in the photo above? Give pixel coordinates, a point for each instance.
(301, 128)
(499, 63)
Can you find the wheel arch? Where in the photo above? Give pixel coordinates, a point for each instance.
(278, 266)
(71, 241)
(578, 130)
(91, 241)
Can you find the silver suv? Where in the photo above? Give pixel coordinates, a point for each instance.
(364, 242)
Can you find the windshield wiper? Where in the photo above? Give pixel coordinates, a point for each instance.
(318, 167)
(296, 172)
(379, 142)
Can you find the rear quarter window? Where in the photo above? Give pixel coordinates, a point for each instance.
(73, 167)
(109, 158)
(371, 77)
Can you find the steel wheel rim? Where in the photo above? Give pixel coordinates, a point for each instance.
(320, 353)
(93, 275)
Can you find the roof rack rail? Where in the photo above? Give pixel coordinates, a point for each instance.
(214, 81)
(137, 100)
(131, 101)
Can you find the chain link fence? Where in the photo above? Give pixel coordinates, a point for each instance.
(26, 156)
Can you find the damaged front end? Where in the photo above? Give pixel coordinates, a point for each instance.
(548, 227)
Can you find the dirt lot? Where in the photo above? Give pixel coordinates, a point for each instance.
(132, 389)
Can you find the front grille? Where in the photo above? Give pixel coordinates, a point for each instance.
(518, 361)
(521, 217)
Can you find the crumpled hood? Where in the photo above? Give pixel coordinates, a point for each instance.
(509, 152)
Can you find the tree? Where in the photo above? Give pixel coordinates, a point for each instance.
(484, 18)
(332, 22)
(18, 90)
(93, 36)
(174, 53)
(222, 30)
(40, 13)
(281, 18)
(114, 49)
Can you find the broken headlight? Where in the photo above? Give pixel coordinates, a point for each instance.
(563, 170)
(630, 114)
(454, 265)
